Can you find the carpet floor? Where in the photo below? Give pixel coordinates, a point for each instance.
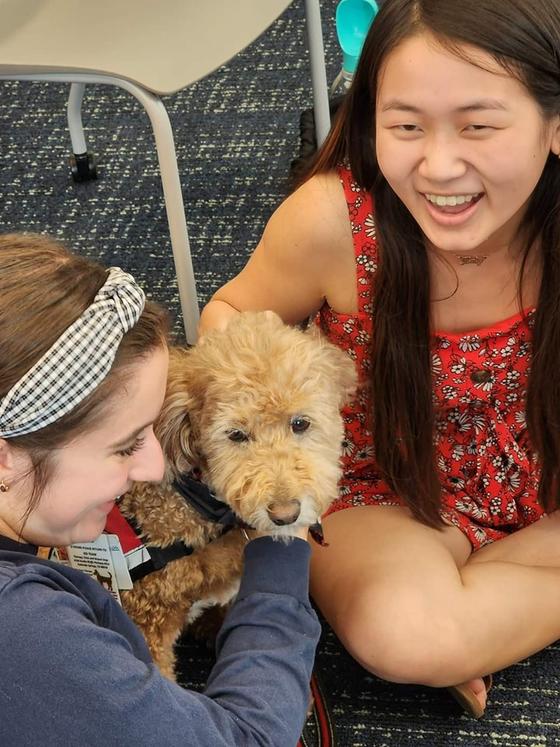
(236, 134)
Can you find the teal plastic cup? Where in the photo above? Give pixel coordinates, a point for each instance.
(353, 19)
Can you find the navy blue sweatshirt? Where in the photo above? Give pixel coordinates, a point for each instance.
(74, 669)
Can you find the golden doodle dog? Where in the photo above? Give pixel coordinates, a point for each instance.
(252, 412)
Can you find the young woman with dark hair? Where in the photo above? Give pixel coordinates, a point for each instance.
(426, 239)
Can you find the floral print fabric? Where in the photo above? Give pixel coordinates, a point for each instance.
(489, 473)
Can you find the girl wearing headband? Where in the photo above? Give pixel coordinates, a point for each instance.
(83, 368)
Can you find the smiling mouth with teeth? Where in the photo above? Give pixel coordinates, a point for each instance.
(452, 200)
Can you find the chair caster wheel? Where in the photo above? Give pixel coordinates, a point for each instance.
(83, 167)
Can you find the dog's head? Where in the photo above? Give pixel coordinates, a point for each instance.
(256, 407)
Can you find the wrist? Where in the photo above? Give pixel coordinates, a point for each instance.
(297, 532)
(277, 567)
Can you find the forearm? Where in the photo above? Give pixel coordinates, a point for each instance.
(267, 645)
(110, 691)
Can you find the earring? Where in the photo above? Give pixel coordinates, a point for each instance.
(3, 487)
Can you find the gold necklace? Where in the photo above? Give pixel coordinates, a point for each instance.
(471, 259)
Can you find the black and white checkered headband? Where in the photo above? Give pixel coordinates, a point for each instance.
(77, 362)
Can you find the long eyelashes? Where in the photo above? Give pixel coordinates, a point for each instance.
(129, 451)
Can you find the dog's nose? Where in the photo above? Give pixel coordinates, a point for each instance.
(282, 513)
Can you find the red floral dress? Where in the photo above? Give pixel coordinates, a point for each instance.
(489, 473)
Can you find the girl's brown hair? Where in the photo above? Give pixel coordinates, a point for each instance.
(43, 289)
(524, 38)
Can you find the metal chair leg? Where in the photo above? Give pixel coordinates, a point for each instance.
(318, 70)
(82, 163)
(165, 145)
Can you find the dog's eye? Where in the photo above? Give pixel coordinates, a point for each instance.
(299, 424)
(237, 436)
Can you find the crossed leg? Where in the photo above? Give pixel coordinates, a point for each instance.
(414, 604)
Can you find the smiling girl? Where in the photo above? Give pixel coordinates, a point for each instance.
(426, 240)
(82, 379)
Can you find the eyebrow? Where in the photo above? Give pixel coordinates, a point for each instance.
(473, 106)
(130, 437)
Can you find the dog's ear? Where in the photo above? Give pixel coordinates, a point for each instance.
(176, 427)
(335, 365)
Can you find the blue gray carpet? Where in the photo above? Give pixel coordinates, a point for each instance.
(236, 133)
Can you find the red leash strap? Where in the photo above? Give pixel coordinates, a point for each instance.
(323, 724)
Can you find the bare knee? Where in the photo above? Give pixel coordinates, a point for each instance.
(402, 637)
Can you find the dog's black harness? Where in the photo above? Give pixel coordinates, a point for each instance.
(201, 499)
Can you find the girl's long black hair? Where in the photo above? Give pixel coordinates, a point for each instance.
(524, 37)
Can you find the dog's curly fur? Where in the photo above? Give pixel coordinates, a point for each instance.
(256, 409)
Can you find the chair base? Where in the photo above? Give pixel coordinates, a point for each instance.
(83, 167)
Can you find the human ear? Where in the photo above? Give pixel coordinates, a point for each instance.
(555, 135)
(6, 465)
(6, 457)
(13, 462)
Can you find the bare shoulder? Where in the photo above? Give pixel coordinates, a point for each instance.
(316, 213)
(311, 232)
(305, 256)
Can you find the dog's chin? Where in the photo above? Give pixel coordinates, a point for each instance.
(284, 537)
(308, 516)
